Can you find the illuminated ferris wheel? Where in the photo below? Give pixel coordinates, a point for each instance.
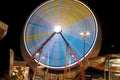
(55, 34)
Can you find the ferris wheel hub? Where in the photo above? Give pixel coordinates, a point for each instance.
(57, 29)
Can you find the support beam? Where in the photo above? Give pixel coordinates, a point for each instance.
(72, 53)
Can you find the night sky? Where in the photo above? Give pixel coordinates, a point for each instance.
(15, 14)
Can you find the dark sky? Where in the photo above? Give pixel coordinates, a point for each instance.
(15, 14)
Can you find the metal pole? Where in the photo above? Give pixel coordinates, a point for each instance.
(105, 71)
(84, 34)
(84, 60)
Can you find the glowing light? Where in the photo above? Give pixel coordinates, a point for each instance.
(118, 65)
(57, 29)
(84, 33)
(37, 54)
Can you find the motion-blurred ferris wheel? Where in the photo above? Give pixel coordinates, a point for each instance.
(53, 31)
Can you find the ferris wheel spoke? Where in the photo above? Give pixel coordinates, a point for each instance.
(30, 38)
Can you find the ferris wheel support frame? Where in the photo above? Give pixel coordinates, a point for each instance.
(72, 53)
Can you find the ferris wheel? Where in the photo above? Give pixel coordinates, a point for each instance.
(60, 33)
